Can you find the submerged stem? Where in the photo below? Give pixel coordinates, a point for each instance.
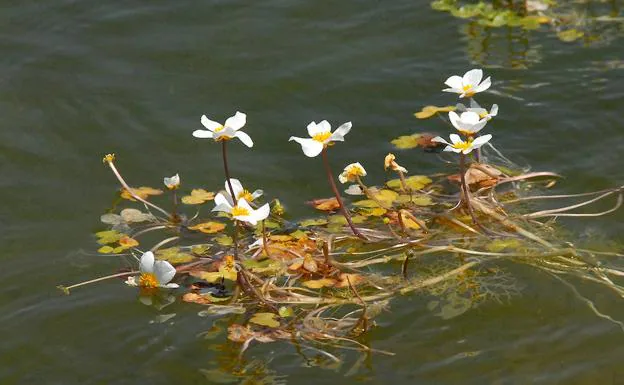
(332, 184)
(227, 171)
(464, 186)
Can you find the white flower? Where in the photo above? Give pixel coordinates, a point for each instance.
(242, 211)
(172, 183)
(469, 84)
(322, 137)
(227, 131)
(351, 172)
(239, 192)
(390, 163)
(354, 189)
(154, 273)
(475, 107)
(468, 123)
(457, 145)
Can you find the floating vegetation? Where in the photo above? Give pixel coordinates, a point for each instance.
(320, 283)
(582, 22)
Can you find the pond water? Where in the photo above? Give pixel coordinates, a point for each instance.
(80, 79)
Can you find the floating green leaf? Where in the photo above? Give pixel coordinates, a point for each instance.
(265, 319)
(414, 182)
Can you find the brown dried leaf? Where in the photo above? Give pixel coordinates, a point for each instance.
(355, 280)
(326, 204)
(142, 192)
(197, 197)
(319, 283)
(208, 227)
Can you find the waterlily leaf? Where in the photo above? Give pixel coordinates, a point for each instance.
(142, 192)
(385, 196)
(222, 310)
(208, 227)
(111, 219)
(128, 242)
(299, 234)
(313, 222)
(174, 255)
(108, 236)
(366, 203)
(285, 312)
(570, 35)
(202, 299)
(499, 245)
(106, 250)
(416, 199)
(373, 212)
(310, 264)
(429, 111)
(340, 220)
(268, 266)
(406, 142)
(265, 319)
(239, 333)
(135, 216)
(530, 22)
(328, 204)
(200, 249)
(319, 283)
(345, 278)
(224, 240)
(197, 197)
(414, 182)
(280, 238)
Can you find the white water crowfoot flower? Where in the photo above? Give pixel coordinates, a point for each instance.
(351, 173)
(390, 163)
(227, 131)
(242, 211)
(172, 183)
(321, 137)
(239, 192)
(475, 107)
(154, 274)
(469, 84)
(468, 123)
(459, 146)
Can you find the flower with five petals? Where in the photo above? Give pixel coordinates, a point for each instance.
(469, 84)
(321, 137)
(460, 146)
(227, 131)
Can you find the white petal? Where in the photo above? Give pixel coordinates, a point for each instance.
(451, 148)
(171, 286)
(455, 120)
(494, 110)
(477, 127)
(453, 90)
(246, 139)
(455, 82)
(338, 135)
(223, 207)
(146, 265)
(236, 122)
(469, 117)
(131, 281)
(202, 134)
(354, 190)
(164, 272)
(455, 138)
(481, 140)
(314, 129)
(242, 203)
(472, 77)
(324, 126)
(227, 132)
(237, 186)
(263, 212)
(343, 177)
(209, 124)
(484, 86)
(257, 194)
(310, 147)
(439, 139)
(224, 199)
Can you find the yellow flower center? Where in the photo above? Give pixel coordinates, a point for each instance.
(353, 172)
(322, 137)
(463, 145)
(483, 115)
(108, 158)
(468, 90)
(148, 281)
(238, 211)
(246, 195)
(229, 262)
(219, 129)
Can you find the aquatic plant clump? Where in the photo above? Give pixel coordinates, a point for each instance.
(321, 282)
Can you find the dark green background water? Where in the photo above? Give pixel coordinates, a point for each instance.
(80, 79)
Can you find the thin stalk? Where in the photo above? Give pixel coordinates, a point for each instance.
(135, 196)
(264, 239)
(332, 184)
(227, 171)
(369, 194)
(403, 182)
(66, 289)
(464, 186)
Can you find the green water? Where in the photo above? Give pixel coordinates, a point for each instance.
(80, 79)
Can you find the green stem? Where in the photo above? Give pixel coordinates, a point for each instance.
(332, 184)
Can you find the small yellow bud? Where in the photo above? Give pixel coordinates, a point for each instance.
(108, 158)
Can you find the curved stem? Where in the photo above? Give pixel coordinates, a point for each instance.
(332, 184)
(227, 171)
(464, 186)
